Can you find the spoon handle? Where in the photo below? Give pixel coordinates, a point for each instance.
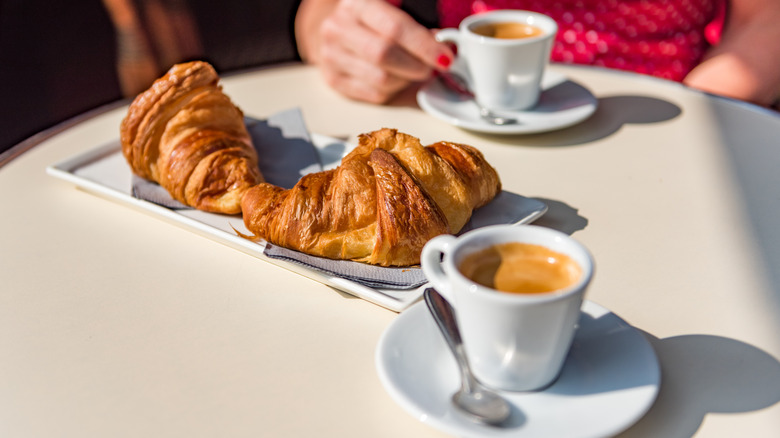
(458, 84)
(478, 403)
(455, 83)
(444, 316)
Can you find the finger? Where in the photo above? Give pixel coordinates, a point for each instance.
(358, 78)
(397, 26)
(343, 31)
(347, 63)
(390, 57)
(356, 88)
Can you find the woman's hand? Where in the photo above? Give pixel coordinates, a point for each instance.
(368, 50)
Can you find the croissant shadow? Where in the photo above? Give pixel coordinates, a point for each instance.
(285, 154)
(562, 217)
(332, 153)
(285, 157)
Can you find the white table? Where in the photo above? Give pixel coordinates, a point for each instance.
(116, 323)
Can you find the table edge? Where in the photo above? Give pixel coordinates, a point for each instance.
(25, 145)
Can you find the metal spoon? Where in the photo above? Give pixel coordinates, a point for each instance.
(474, 400)
(458, 84)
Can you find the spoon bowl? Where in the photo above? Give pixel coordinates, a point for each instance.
(474, 400)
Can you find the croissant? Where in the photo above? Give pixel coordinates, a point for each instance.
(386, 199)
(185, 134)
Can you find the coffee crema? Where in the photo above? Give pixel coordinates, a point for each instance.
(521, 268)
(507, 30)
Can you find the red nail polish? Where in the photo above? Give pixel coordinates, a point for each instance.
(444, 61)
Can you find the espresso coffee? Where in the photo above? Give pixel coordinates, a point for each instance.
(507, 30)
(521, 268)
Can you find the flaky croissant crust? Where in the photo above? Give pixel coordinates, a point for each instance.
(186, 134)
(387, 198)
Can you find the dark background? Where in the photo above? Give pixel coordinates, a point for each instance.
(57, 58)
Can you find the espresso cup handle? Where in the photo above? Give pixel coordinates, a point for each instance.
(430, 260)
(453, 36)
(448, 35)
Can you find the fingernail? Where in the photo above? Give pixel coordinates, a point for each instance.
(444, 61)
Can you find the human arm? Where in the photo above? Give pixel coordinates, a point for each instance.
(136, 66)
(367, 49)
(151, 37)
(745, 64)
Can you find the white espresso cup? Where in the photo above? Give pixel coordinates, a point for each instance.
(513, 341)
(505, 73)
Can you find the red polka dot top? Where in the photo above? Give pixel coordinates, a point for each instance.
(664, 38)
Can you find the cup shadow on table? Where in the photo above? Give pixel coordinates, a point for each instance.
(703, 374)
(612, 113)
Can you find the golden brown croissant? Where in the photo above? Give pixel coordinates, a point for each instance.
(186, 134)
(387, 198)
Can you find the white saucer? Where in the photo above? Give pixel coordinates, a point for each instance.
(563, 103)
(609, 381)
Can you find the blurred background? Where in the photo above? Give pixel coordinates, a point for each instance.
(59, 59)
